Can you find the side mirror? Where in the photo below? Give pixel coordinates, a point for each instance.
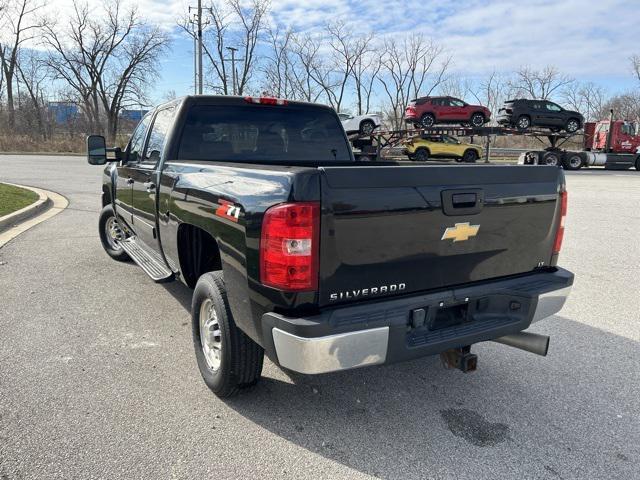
(96, 150)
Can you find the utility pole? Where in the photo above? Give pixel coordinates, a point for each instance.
(200, 75)
(233, 67)
(195, 67)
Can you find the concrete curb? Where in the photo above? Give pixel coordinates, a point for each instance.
(29, 211)
(48, 205)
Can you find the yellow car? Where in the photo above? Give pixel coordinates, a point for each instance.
(432, 147)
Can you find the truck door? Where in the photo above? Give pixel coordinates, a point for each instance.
(145, 174)
(124, 183)
(554, 115)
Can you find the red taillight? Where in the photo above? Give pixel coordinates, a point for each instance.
(289, 246)
(266, 100)
(557, 244)
(410, 111)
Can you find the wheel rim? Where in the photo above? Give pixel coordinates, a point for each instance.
(477, 120)
(470, 157)
(427, 121)
(575, 161)
(421, 155)
(572, 126)
(523, 123)
(551, 160)
(367, 128)
(210, 335)
(114, 233)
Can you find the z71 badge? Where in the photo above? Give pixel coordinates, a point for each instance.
(228, 210)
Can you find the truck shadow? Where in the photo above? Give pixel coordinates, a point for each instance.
(418, 420)
(411, 420)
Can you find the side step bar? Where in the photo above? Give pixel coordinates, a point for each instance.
(150, 262)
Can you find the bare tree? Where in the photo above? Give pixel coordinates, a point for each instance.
(491, 91)
(539, 84)
(312, 71)
(33, 75)
(406, 67)
(366, 66)
(635, 65)
(19, 25)
(232, 24)
(586, 98)
(625, 106)
(107, 59)
(278, 70)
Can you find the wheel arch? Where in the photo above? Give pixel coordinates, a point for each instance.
(198, 252)
(106, 195)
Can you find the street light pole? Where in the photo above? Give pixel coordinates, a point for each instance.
(233, 67)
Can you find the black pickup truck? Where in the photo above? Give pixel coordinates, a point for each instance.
(295, 249)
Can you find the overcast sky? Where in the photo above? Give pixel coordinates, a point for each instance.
(588, 40)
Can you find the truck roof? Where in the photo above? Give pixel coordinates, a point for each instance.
(236, 100)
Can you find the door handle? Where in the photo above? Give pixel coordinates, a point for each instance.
(130, 181)
(150, 186)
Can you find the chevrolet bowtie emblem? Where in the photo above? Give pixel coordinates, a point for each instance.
(460, 232)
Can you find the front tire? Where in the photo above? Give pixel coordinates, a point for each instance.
(470, 156)
(421, 155)
(572, 125)
(227, 358)
(111, 233)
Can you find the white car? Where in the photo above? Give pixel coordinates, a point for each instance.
(363, 124)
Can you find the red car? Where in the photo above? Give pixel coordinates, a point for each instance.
(427, 111)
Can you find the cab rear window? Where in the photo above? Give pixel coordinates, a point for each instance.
(263, 134)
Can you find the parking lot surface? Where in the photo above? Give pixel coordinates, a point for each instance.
(98, 377)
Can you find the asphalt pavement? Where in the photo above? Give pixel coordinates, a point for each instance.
(98, 377)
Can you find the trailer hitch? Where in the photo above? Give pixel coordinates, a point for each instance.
(460, 358)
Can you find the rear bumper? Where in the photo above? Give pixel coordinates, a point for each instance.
(401, 329)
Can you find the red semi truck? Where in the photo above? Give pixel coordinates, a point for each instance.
(612, 144)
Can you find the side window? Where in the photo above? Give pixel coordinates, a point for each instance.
(454, 102)
(553, 107)
(536, 106)
(136, 143)
(158, 135)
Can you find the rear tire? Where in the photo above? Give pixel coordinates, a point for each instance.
(421, 155)
(427, 120)
(523, 122)
(573, 162)
(227, 358)
(367, 127)
(638, 163)
(110, 233)
(477, 119)
(552, 159)
(470, 156)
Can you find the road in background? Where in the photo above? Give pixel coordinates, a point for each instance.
(98, 377)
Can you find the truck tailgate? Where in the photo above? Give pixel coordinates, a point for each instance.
(389, 230)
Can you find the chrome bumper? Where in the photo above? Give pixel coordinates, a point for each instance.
(550, 303)
(333, 352)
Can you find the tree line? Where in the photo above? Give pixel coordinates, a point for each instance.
(105, 60)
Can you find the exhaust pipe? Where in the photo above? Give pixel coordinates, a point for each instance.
(530, 342)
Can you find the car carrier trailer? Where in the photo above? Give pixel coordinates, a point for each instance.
(620, 150)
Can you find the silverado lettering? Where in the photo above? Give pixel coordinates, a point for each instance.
(317, 225)
(352, 294)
